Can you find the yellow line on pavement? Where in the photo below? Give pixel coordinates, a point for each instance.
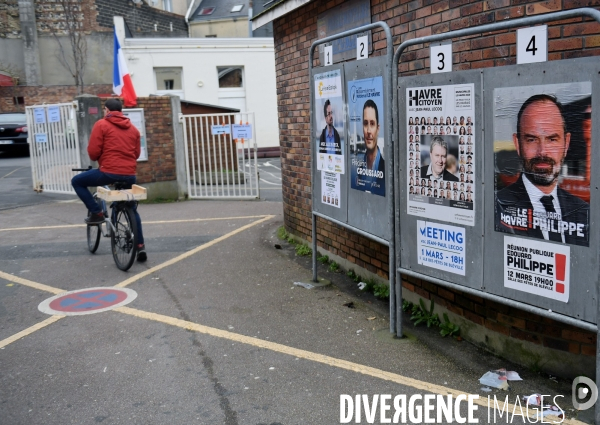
(205, 219)
(190, 252)
(316, 357)
(30, 283)
(29, 330)
(13, 171)
(144, 222)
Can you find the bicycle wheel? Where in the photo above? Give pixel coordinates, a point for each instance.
(123, 240)
(94, 232)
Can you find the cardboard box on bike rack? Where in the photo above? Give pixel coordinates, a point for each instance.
(136, 193)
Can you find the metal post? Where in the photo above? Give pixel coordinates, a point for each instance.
(314, 247)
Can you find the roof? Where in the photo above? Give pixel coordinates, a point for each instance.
(209, 10)
(224, 108)
(274, 9)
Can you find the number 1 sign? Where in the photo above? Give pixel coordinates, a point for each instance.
(532, 44)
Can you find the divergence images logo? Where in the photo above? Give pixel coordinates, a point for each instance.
(320, 88)
(584, 388)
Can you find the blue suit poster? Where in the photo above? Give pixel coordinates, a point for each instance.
(366, 133)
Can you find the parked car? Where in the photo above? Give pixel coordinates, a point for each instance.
(13, 132)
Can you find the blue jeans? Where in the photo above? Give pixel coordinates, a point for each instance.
(95, 177)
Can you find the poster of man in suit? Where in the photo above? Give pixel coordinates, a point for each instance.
(366, 133)
(539, 145)
(329, 122)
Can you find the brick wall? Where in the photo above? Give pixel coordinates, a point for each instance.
(140, 18)
(36, 95)
(295, 32)
(160, 140)
(93, 16)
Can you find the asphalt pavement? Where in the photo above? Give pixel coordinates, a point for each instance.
(210, 330)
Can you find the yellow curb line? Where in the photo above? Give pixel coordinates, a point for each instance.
(29, 330)
(30, 283)
(63, 226)
(190, 253)
(13, 171)
(320, 358)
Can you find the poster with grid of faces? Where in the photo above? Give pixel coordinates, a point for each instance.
(440, 146)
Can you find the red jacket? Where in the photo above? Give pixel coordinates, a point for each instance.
(115, 144)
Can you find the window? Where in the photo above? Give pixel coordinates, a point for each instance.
(230, 77)
(168, 5)
(206, 11)
(168, 78)
(237, 8)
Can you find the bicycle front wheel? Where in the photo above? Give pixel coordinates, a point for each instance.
(123, 240)
(94, 232)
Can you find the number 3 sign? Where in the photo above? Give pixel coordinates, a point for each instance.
(440, 58)
(532, 44)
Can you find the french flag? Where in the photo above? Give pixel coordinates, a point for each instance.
(122, 85)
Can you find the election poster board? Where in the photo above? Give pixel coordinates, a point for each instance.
(541, 174)
(366, 135)
(441, 139)
(329, 120)
(542, 145)
(440, 202)
(369, 145)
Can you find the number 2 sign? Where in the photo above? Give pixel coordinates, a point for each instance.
(362, 47)
(532, 44)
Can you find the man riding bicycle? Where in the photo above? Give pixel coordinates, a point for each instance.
(115, 144)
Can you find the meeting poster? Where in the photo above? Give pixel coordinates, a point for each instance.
(542, 154)
(366, 129)
(440, 145)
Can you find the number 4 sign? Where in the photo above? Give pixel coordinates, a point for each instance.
(532, 44)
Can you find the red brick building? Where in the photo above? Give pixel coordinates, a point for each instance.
(518, 335)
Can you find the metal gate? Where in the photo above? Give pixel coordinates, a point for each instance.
(221, 158)
(53, 146)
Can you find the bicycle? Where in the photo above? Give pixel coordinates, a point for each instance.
(121, 228)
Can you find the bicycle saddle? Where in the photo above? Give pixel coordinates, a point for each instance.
(121, 185)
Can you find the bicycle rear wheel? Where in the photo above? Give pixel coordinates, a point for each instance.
(94, 232)
(123, 240)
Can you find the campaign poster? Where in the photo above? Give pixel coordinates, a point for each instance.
(542, 154)
(330, 189)
(441, 135)
(329, 121)
(537, 268)
(366, 133)
(441, 246)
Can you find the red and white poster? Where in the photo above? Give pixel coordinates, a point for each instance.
(537, 267)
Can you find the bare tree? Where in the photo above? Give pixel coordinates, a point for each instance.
(72, 26)
(12, 71)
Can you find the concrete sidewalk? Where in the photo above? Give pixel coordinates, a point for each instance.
(218, 333)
